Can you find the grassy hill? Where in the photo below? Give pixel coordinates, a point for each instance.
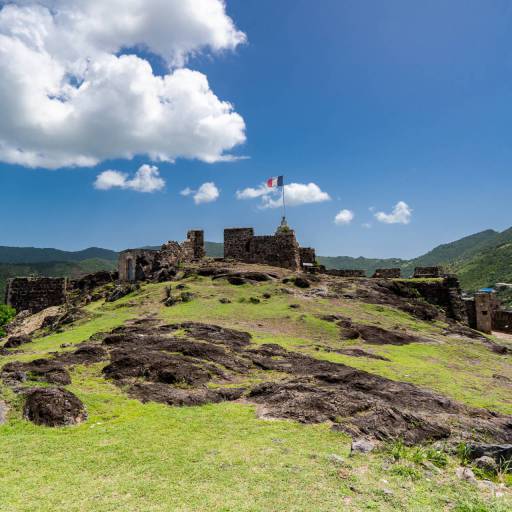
(132, 454)
(480, 260)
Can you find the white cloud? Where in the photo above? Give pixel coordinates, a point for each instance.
(401, 214)
(110, 179)
(367, 225)
(146, 179)
(186, 192)
(344, 217)
(207, 193)
(253, 193)
(295, 194)
(69, 98)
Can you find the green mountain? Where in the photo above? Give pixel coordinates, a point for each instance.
(369, 265)
(460, 250)
(479, 260)
(214, 249)
(36, 255)
(486, 268)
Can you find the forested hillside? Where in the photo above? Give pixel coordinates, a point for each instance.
(51, 269)
(37, 255)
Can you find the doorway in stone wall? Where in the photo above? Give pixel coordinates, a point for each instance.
(130, 270)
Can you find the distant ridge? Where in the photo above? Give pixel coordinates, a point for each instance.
(37, 255)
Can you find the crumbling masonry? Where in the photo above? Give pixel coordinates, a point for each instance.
(279, 250)
(140, 264)
(35, 293)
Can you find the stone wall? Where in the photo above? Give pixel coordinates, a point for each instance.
(502, 321)
(445, 293)
(484, 312)
(279, 250)
(237, 243)
(136, 264)
(144, 264)
(471, 312)
(387, 273)
(307, 255)
(193, 247)
(35, 293)
(428, 272)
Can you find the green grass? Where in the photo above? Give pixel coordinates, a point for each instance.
(130, 456)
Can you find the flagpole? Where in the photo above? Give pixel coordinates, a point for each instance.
(284, 204)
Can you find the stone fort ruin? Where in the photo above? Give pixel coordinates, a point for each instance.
(278, 250)
(140, 264)
(35, 293)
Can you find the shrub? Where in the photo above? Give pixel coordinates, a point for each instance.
(6, 315)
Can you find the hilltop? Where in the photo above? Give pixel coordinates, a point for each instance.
(254, 377)
(479, 260)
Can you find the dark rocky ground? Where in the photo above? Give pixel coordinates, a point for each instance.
(177, 363)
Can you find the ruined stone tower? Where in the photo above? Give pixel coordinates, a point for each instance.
(279, 250)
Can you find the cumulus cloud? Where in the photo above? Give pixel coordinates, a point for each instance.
(73, 93)
(401, 214)
(206, 193)
(295, 194)
(146, 179)
(253, 193)
(344, 217)
(186, 192)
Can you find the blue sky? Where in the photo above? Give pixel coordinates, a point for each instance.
(374, 102)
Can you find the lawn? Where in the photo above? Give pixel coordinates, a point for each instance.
(130, 456)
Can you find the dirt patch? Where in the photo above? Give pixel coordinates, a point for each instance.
(45, 370)
(377, 335)
(17, 341)
(56, 322)
(156, 366)
(364, 404)
(154, 356)
(359, 352)
(25, 323)
(175, 363)
(53, 407)
(215, 334)
(53, 371)
(236, 277)
(156, 392)
(86, 353)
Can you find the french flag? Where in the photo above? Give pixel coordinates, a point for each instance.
(277, 181)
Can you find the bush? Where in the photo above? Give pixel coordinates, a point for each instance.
(6, 315)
